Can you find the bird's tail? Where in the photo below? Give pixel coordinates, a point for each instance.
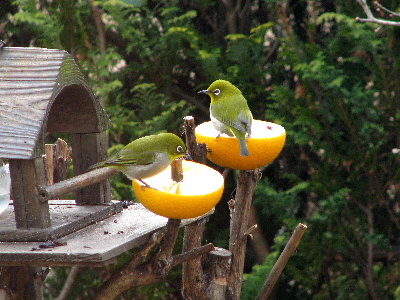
(96, 166)
(244, 151)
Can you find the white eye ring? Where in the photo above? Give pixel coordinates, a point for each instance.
(217, 92)
(179, 149)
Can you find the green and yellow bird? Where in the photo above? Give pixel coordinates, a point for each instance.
(146, 156)
(229, 112)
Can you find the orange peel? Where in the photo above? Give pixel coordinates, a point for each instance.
(265, 144)
(198, 192)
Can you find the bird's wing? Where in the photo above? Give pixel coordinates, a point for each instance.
(124, 158)
(245, 119)
(243, 122)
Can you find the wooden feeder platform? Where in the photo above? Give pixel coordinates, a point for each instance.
(94, 245)
(65, 217)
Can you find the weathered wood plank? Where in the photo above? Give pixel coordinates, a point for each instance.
(33, 53)
(89, 149)
(26, 177)
(24, 77)
(95, 244)
(66, 217)
(25, 86)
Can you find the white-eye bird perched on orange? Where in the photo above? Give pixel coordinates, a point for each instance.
(146, 156)
(229, 112)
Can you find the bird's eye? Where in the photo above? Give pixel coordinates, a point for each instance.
(179, 149)
(217, 92)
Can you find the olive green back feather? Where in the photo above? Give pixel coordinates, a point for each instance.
(236, 113)
(144, 150)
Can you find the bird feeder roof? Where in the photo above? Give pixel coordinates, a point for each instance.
(43, 90)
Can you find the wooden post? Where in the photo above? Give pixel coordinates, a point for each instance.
(22, 283)
(88, 149)
(57, 157)
(240, 213)
(27, 175)
(198, 151)
(217, 267)
(193, 283)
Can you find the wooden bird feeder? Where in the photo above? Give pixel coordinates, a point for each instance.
(42, 91)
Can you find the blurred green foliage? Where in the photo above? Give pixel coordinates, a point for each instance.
(332, 82)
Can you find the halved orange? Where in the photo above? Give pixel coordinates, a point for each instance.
(198, 192)
(265, 144)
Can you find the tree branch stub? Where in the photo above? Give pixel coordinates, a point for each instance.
(240, 214)
(283, 259)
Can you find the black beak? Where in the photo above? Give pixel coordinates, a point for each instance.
(205, 92)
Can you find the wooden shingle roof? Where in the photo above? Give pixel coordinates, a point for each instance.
(43, 90)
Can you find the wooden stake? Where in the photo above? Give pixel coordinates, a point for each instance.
(194, 285)
(176, 170)
(217, 267)
(198, 151)
(240, 213)
(282, 261)
(57, 158)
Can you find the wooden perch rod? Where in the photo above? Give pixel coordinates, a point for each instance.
(66, 186)
(283, 259)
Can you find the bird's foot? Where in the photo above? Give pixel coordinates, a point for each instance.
(145, 185)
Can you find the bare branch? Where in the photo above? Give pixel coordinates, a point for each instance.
(381, 7)
(371, 18)
(280, 264)
(68, 283)
(189, 255)
(240, 214)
